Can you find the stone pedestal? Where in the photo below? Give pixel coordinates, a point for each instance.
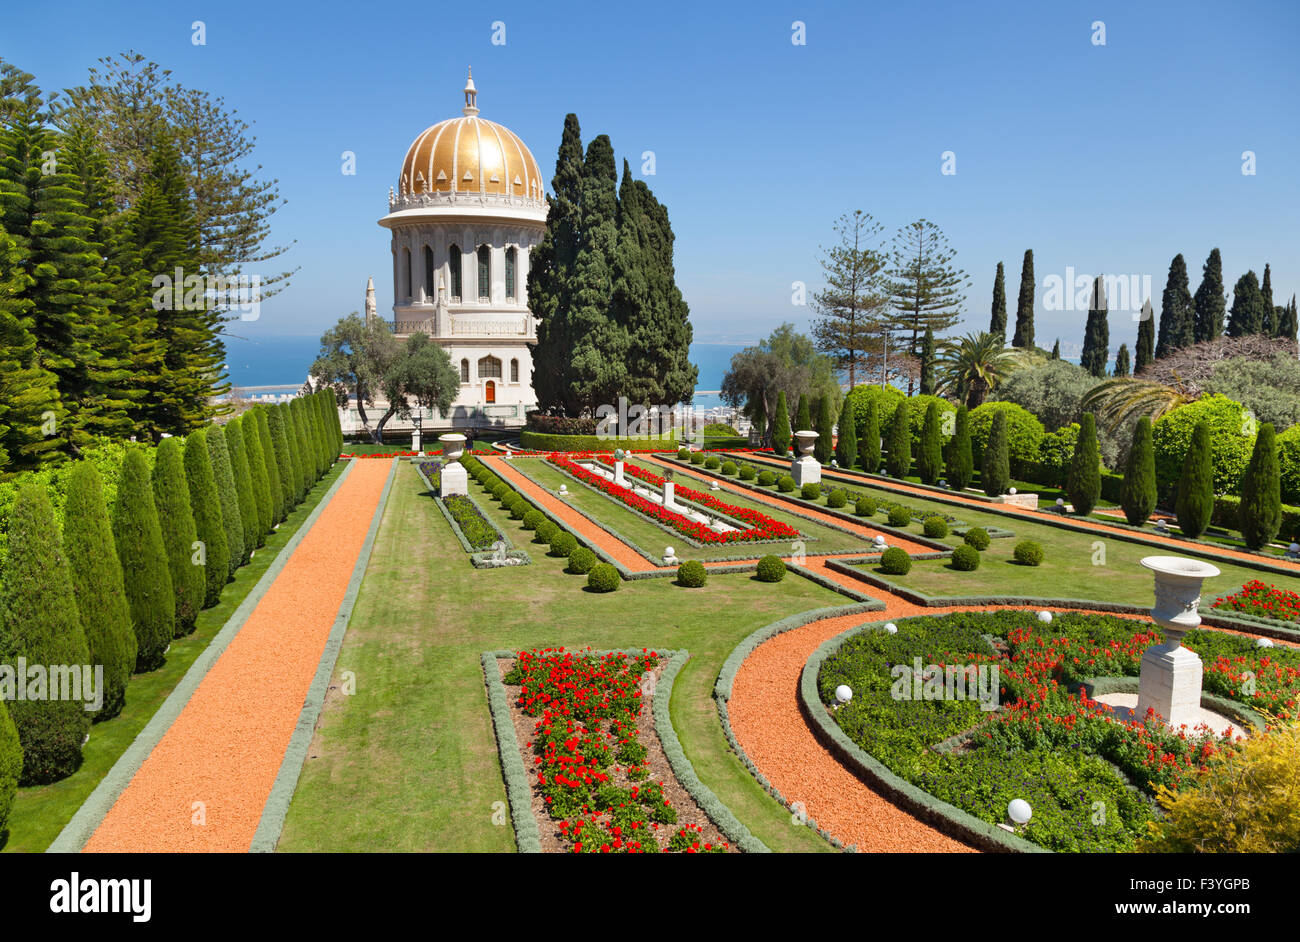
(1027, 501)
(618, 474)
(805, 469)
(454, 480)
(1171, 676)
(415, 440)
(668, 489)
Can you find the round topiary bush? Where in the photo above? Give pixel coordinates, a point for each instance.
(767, 479)
(603, 577)
(786, 484)
(748, 472)
(520, 508)
(533, 519)
(729, 467)
(697, 457)
(895, 561)
(1028, 553)
(771, 569)
(810, 491)
(691, 574)
(563, 543)
(865, 507)
(509, 499)
(1024, 433)
(1232, 438)
(683, 453)
(966, 558)
(977, 537)
(935, 527)
(499, 490)
(837, 498)
(546, 531)
(712, 463)
(581, 560)
(899, 516)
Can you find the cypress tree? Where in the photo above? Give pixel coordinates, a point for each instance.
(99, 585)
(40, 622)
(11, 764)
(846, 449)
(1289, 321)
(998, 317)
(145, 570)
(1084, 482)
(1261, 492)
(1056, 349)
(271, 467)
(1195, 501)
(1122, 361)
(1210, 302)
(243, 487)
(295, 450)
(869, 443)
(1024, 336)
(781, 427)
(1270, 312)
(957, 452)
(328, 417)
(302, 445)
(257, 469)
(1139, 495)
(804, 422)
(927, 363)
(171, 492)
(825, 446)
(1247, 314)
(996, 473)
(1177, 312)
(898, 458)
(205, 505)
(316, 429)
(275, 421)
(229, 497)
(929, 459)
(1146, 340)
(1096, 335)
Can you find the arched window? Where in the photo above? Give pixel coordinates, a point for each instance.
(489, 367)
(514, 371)
(464, 371)
(510, 273)
(428, 273)
(484, 274)
(406, 273)
(490, 392)
(453, 262)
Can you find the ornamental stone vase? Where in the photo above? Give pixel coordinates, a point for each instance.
(1171, 677)
(805, 469)
(454, 479)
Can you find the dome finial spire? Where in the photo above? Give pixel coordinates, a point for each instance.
(471, 95)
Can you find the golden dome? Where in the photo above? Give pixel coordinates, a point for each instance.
(470, 155)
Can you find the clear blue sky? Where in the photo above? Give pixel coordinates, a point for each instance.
(1105, 158)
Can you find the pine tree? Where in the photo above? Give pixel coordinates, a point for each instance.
(1084, 482)
(1247, 314)
(1096, 336)
(996, 472)
(869, 443)
(205, 506)
(1139, 495)
(171, 491)
(1210, 302)
(925, 287)
(804, 422)
(853, 310)
(927, 363)
(243, 475)
(846, 448)
(1145, 352)
(271, 467)
(258, 476)
(1195, 501)
(28, 391)
(825, 446)
(781, 426)
(145, 570)
(1177, 312)
(898, 458)
(98, 583)
(929, 458)
(1122, 361)
(1261, 492)
(40, 622)
(998, 317)
(231, 518)
(957, 453)
(1270, 313)
(284, 464)
(1024, 336)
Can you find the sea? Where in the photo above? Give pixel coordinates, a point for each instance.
(284, 360)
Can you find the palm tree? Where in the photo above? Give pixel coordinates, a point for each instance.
(973, 366)
(1119, 401)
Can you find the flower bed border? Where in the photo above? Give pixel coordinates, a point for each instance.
(476, 556)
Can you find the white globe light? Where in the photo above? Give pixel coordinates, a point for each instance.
(879, 540)
(1293, 548)
(1045, 617)
(891, 628)
(1060, 502)
(843, 693)
(564, 489)
(1011, 490)
(668, 551)
(1263, 642)
(1019, 811)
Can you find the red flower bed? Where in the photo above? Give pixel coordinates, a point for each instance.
(762, 527)
(1264, 601)
(589, 762)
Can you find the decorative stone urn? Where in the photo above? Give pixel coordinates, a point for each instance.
(1171, 675)
(618, 468)
(454, 478)
(805, 469)
(669, 487)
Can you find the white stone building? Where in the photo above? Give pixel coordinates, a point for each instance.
(469, 208)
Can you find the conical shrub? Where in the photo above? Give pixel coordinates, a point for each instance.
(270, 467)
(1195, 502)
(98, 584)
(243, 474)
(276, 422)
(781, 426)
(898, 457)
(230, 513)
(301, 450)
(825, 446)
(1139, 495)
(1261, 492)
(171, 495)
(846, 449)
(1084, 483)
(869, 444)
(929, 460)
(958, 461)
(995, 475)
(146, 573)
(11, 765)
(205, 505)
(41, 625)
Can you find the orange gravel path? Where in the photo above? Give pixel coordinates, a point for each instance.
(226, 746)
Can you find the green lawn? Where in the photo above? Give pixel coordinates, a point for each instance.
(409, 762)
(40, 812)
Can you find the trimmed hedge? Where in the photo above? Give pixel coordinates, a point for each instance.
(692, 574)
(977, 537)
(563, 544)
(729, 468)
(581, 561)
(146, 573)
(786, 484)
(810, 491)
(748, 472)
(935, 527)
(712, 463)
(171, 495)
(697, 457)
(966, 558)
(532, 519)
(243, 476)
(545, 532)
(603, 577)
(1028, 552)
(768, 478)
(899, 516)
(865, 507)
(225, 480)
(838, 498)
(895, 561)
(205, 504)
(771, 568)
